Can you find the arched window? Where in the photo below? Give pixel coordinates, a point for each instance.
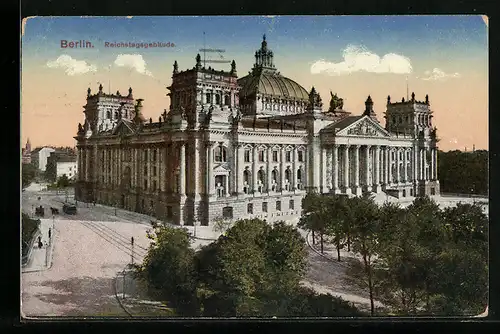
(299, 179)
(220, 154)
(288, 176)
(108, 114)
(274, 180)
(261, 176)
(227, 100)
(217, 99)
(208, 98)
(246, 180)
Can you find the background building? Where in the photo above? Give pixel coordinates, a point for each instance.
(247, 148)
(39, 157)
(26, 153)
(61, 163)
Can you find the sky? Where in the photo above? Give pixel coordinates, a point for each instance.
(445, 57)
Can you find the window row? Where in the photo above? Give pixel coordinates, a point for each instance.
(220, 155)
(291, 206)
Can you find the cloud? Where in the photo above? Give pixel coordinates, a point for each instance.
(71, 66)
(134, 61)
(358, 58)
(437, 74)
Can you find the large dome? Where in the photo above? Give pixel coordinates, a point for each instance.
(272, 84)
(264, 79)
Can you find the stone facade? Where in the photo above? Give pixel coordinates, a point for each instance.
(206, 158)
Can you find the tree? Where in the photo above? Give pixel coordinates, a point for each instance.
(364, 241)
(231, 269)
(28, 174)
(338, 219)
(63, 181)
(169, 267)
(463, 172)
(314, 215)
(249, 270)
(221, 225)
(467, 225)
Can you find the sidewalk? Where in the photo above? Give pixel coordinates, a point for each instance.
(41, 258)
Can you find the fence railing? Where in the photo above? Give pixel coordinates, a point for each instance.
(464, 195)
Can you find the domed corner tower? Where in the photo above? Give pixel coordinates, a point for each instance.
(265, 92)
(414, 118)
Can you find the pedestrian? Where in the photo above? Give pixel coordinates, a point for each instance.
(49, 233)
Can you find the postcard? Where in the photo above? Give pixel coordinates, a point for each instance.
(254, 166)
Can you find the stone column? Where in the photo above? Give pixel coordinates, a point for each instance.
(210, 169)
(254, 170)
(356, 169)
(323, 166)
(426, 176)
(282, 169)
(294, 168)
(377, 169)
(415, 164)
(435, 164)
(182, 169)
(268, 168)
(421, 164)
(405, 161)
(368, 164)
(226, 187)
(240, 169)
(196, 167)
(335, 164)
(389, 165)
(346, 169)
(398, 169)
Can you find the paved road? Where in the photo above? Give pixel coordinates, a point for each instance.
(90, 248)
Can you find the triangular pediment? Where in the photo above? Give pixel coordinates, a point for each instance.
(364, 127)
(221, 169)
(122, 128)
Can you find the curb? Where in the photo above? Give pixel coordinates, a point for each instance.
(118, 298)
(316, 251)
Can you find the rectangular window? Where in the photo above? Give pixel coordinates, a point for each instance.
(154, 170)
(262, 156)
(301, 156)
(154, 185)
(109, 179)
(145, 170)
(275, 156)
(292, 205)
(170, 213)
(250, 208)
(154, 155)
(433, 191)
(145, 184)
(288, 156)
(264, 206)
(247, 155)
(146, 155)
(278, 205)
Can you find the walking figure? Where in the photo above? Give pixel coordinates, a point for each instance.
(40, 244)
(50, 233)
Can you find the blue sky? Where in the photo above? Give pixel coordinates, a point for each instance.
(443, 56)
